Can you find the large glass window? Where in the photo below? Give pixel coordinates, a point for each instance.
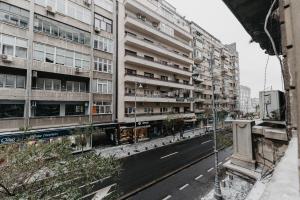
(14, 15)
(63, 31)
(103, 86)
(11, 110)
(75, 109)
(13, 46)
(47, 110)
(20, 81)
(103, 23)
(12, 81)
(103, 44)
(51, 54)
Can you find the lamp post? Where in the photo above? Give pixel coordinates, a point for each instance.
(135, 88)
(217, 189)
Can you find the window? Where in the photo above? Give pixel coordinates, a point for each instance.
(14, 15)
(148, 110)
(129, 110)
(130, 72)
(164, 78)
(167, 29)
(103, 65)
(148, 58)
(148, 75)
(10, 81)
(47, 110)
(55, 55)
(105, 4)
(60, 30)
(75, 109)
(103, 86)
(2, 76)
(103, 44)
(103, 107)
(14, 46)
(20, 81)
(185, 82)
(163, 110)
(103, 23)
(11, 110)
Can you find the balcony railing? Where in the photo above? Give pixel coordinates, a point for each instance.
(158, 62)
(157, 114)
(149, 24)
(158, 79)
(159, 46)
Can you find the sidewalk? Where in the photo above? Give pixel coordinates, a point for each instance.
(126, 150)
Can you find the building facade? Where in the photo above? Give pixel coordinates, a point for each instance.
(225, 73)
(254, 105)
(57, 63)
(154, 64)
(245, 99)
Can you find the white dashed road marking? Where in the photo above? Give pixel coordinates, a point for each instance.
(168, 155)
(227, 158)
(198, 177)
(210, 169)
(220, 163)
(167, 197)
(183, 186)
(206, 142)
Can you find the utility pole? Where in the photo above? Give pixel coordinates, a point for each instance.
(217, 193)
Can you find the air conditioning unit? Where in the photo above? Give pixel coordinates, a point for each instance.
(50, 10)
(97, 29)
(87, 2)
(7, 58)
(154, 24)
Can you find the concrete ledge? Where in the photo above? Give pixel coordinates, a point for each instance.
(241, 170)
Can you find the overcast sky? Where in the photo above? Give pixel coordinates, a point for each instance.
(217, 19)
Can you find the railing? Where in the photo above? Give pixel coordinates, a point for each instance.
(141, 76)
(157, 114)
(156, 28)
(154, 61)
(159, 45)
(59, 90)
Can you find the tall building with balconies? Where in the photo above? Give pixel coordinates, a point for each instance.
(57, 63)
(154, 64)
(225, 73)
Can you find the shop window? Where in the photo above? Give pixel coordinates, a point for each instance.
(75, 109)
(11, 110)
(47, 110)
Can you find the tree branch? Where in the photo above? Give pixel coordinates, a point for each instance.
(6, 190)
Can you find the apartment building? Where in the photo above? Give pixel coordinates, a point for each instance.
(154, 64)
(245, 99)
(225, 73)
(57, 65)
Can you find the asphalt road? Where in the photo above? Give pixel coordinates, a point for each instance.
(143, 168)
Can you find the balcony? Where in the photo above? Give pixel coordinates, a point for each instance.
(157, 116)
(59, 69)
(199, 99)
(156, 81)
(198, 110)
(58, 121)
(12, 94)
(198, 78)
(50, 95)
(198, 89)
(147, 27)
(151, 10)
(103, 118)
(157, 48)
(139, 60)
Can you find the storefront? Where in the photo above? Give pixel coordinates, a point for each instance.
(127, 132)
(79, 142)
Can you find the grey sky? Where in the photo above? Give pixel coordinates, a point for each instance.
(217, 19)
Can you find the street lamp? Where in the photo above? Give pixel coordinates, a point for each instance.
(217, 192)
(135, 88)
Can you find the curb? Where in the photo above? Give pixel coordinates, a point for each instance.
(165, 176)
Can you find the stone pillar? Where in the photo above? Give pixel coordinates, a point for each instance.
(242, 144)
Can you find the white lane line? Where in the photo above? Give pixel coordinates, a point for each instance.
(227, 158)
(206, 142)
(198, 177)
(184, 186)
(220, 163)
(210, 169)
(171, 154)
(167, 197)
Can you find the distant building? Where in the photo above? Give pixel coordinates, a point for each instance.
(245, 99)
(254, 105)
